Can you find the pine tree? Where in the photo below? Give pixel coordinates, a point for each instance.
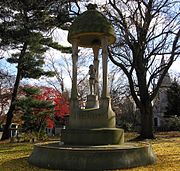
(173, 96)
(24, 28)
(35, 111)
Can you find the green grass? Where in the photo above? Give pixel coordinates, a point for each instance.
(14, 156)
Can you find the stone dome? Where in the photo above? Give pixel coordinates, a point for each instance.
(89, 27)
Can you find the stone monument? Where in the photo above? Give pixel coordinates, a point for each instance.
(91, 141)
(92, 126)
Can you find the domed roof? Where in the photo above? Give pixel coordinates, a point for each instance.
(89, 27)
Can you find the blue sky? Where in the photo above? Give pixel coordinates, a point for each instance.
(61, 37)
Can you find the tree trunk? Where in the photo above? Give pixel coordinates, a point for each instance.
(6, 131)
(146, 122)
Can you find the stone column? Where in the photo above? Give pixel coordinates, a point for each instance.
(104, 43)
(96, 65)
(74, 70)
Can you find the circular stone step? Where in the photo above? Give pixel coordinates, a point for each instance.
(88, 158)
(98, 136)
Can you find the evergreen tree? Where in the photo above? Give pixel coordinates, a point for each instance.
(24, 28)
(173, 96)
(35, 111)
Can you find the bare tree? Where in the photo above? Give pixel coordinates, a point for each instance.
(119, 87)
(62, 67)
(147, 44)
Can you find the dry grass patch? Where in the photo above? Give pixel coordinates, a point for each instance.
(13, 156)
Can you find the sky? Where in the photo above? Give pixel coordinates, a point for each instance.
(61, 37)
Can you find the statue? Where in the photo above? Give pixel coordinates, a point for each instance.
(92, 79)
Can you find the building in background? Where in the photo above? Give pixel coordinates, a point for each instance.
(161, 101)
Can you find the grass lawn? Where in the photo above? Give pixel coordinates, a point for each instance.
(13, 156)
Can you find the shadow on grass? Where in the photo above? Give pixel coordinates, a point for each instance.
(9, 151)
(20, 164)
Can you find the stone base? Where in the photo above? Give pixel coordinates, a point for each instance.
(92, 102)
(88, 158)
(102, 117)
(99, 136)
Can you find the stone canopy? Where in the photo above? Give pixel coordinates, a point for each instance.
(89, 27)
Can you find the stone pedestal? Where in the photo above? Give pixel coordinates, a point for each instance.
(91, 158)
(92, 102)
(91, 118)
(99, 136)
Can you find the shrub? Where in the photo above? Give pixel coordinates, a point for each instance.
(171, 124)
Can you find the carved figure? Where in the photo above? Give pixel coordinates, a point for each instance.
(92, 79)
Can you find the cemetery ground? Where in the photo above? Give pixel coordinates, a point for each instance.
(13, 156)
